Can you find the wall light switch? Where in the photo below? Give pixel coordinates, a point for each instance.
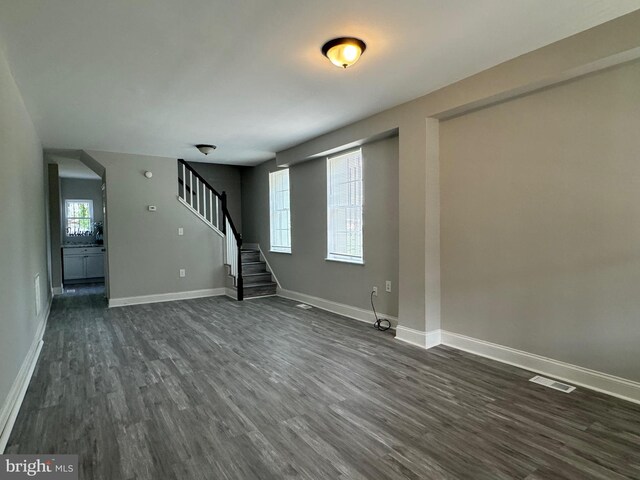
(388, 286)
(152, 208)
(180, 231)
(183, 273)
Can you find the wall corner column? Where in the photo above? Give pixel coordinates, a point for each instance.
(419, 222)
(432, 233)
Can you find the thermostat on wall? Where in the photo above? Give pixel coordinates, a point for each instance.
(152, 208)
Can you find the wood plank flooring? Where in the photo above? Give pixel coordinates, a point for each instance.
(218, 389)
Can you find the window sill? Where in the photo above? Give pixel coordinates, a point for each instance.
(280, 251)
(352, 262)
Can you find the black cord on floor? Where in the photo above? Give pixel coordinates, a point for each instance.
(378, 320)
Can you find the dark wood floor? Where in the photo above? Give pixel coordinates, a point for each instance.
(217, 389)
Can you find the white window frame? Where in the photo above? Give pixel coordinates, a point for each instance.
(332, 251)
(279, 211)
(67, 218)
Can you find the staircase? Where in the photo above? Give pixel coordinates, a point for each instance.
(257, 281)
(248, 273)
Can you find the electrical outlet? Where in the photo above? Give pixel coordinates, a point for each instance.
(375, 291)
(180, 231)
(183, 273)
(388, 286)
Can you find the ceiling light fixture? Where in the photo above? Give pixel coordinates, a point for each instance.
(344, 51)
(206, 149)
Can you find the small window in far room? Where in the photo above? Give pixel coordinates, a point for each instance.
(280, 213)
(345, 200)
(79, 216)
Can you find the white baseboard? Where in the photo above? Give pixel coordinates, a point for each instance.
(166, 297)
(11, 408)
(574, 374)
(356, 313)
(231, 292)
(416, 337)
(56, 291)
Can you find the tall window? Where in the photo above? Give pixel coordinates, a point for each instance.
(79, 215)
(280, 213)
(344, 207)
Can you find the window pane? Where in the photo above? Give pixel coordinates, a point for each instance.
(79, 216)
(344, 206)
(279, 211)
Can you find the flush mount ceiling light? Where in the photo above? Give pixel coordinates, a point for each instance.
(206, 149)
(344, 51)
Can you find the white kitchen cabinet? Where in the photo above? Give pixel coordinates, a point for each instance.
(74, 267)
(94, 265)
(80, 263)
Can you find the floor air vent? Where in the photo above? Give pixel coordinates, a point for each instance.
(547, 382)
(304, 306)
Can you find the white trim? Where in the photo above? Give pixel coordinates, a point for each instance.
(197, 214)
(417, 337)
(231, 293)
(411, 336)
(344, 260)
(266, 260)
(584, 377)
(11, 408)
(356, 313)
(57, 291)
(166, 297)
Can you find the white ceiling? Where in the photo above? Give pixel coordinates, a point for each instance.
(72, 168)
(157, 76)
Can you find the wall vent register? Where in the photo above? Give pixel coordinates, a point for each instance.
(547, 382)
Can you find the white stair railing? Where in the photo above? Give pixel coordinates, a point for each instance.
(203, 200)
(199, 196)
(231, 252)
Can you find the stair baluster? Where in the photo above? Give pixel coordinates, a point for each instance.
(190, 196)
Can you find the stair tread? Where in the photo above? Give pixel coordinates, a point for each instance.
(253, 274)
(259, 284)
(252, 263)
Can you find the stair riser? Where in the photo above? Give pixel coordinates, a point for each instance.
(250, 257)
(250, 291)
(255, 268)
(248, 280)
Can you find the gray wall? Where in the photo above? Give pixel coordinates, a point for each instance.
(305, 270)
(225, 178)
(22, 232)
(80, 189)
(419, 239)
(541, 222)
(145, 252)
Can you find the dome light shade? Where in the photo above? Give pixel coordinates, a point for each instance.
(206, 149)
(344, 51)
